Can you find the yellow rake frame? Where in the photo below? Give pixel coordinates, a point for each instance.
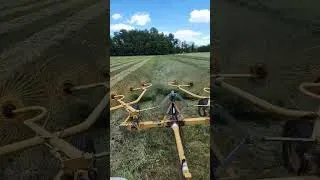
(131, 123)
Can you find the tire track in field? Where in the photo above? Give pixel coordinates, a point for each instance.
(114, 60)
(123, 65)
(118, 77)
(120, 63)
(20, 22)
(37, 44)
(23, 9)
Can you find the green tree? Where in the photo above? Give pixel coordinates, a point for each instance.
(148, 42)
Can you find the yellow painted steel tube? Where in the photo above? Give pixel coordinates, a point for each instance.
(130, 103)
(185, 170)
(62, 145)
(264, 104)
(192, 94)
(180, 87)
(206, 90)
(20, 145)
(303, 90)
(176, 131)
(91, 119)
(164, 123)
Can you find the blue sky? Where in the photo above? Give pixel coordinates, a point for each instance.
(187, 19)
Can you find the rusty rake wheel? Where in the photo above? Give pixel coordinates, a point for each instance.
(77, 72)
(18, 90)
(60, 75)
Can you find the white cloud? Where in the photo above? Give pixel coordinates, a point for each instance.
(203, 41)
(192, 36)
(118, 27)
(200, 16)
(116, 16)
(186, 34)
(140, 19)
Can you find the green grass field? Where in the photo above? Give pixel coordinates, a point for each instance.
(151, 154)
(38, 52)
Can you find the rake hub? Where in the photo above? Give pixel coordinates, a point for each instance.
(113, 96)
(67, 86)
(143, 83)
(259, 70)
(7, 110)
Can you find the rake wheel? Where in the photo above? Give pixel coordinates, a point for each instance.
(293, 152)
(203, 110)
(18, 90)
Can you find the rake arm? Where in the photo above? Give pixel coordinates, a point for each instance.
(116, 97)
(180, 87)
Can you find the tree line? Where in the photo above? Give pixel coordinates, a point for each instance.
(150, 42)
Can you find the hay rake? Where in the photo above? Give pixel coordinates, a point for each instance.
(173, 118)
(76, 163)
(301, 133)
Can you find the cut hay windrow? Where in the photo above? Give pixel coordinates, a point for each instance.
(14, 4)
(118, 77)
(199, 58)
(117, 59)
(195, 63)
(204, 54)
(37, 44)
(15, 10)
(20, 22)
(123, 65)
